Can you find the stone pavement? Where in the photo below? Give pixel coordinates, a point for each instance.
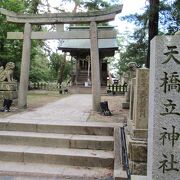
(73, 108)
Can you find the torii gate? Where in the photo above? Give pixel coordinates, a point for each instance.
(59, 18)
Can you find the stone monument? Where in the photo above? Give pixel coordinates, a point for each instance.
(8, 86)
(132, 73)
(164, 109)
(137, 122)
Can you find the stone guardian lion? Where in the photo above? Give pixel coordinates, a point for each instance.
(7, 73)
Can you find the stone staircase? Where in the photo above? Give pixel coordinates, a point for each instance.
(56, 151)
(82, 77)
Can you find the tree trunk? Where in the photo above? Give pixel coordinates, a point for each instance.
(153, 25)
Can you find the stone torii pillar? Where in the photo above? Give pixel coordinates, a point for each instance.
(70, 18)
(24, 76)
(95, 70)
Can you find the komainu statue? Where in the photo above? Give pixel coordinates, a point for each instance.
(6, 74)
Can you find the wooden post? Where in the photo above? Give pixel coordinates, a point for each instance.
(95, 70)
(24, 76)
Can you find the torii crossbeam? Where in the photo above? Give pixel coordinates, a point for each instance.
(59, 18)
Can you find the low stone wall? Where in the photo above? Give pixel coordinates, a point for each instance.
(8, 90)
(137, 153)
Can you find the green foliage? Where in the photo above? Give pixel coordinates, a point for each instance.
(10, 50)
(32, 6)
(40, 70)
(170, 16)
(135, 52)
(12, 5)
(58, 64)
(96, 5)
(67, 71)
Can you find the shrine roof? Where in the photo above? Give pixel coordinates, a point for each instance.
(85, 44)
(87, 27)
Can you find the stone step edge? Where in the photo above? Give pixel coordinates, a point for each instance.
(61, 123)
(56, 151)
(81, 137)
(50, 171)
(57, 128)
(93, 158)
(95, 142)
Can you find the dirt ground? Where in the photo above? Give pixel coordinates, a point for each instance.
(119, 115)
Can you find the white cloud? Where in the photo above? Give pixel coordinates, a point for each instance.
(129, 7)
(133, 6)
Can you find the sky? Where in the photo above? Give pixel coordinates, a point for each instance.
(129, 7)
(132, 6)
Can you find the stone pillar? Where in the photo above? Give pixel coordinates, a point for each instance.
(24, 76)
(95, 68)
(132, 70)
(137, 122)
(133, 84)
(139, 104)
(164, 109)
(141, 99)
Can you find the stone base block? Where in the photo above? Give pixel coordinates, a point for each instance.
(13, 95)
(138, 168)
(137, 150)
(140, 133)
(136, 133)
(8, 95)
(136, 177)
(137, 153)
(8, 86)
(125, 105)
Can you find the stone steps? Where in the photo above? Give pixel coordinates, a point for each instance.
(63, 128)
(57, 140)
(84, 147)
(45, 171)
(82, 77)
(81, 89)
(49, 155)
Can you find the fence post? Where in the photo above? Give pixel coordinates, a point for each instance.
(113, 89)
(119, 89)
(116, 86)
